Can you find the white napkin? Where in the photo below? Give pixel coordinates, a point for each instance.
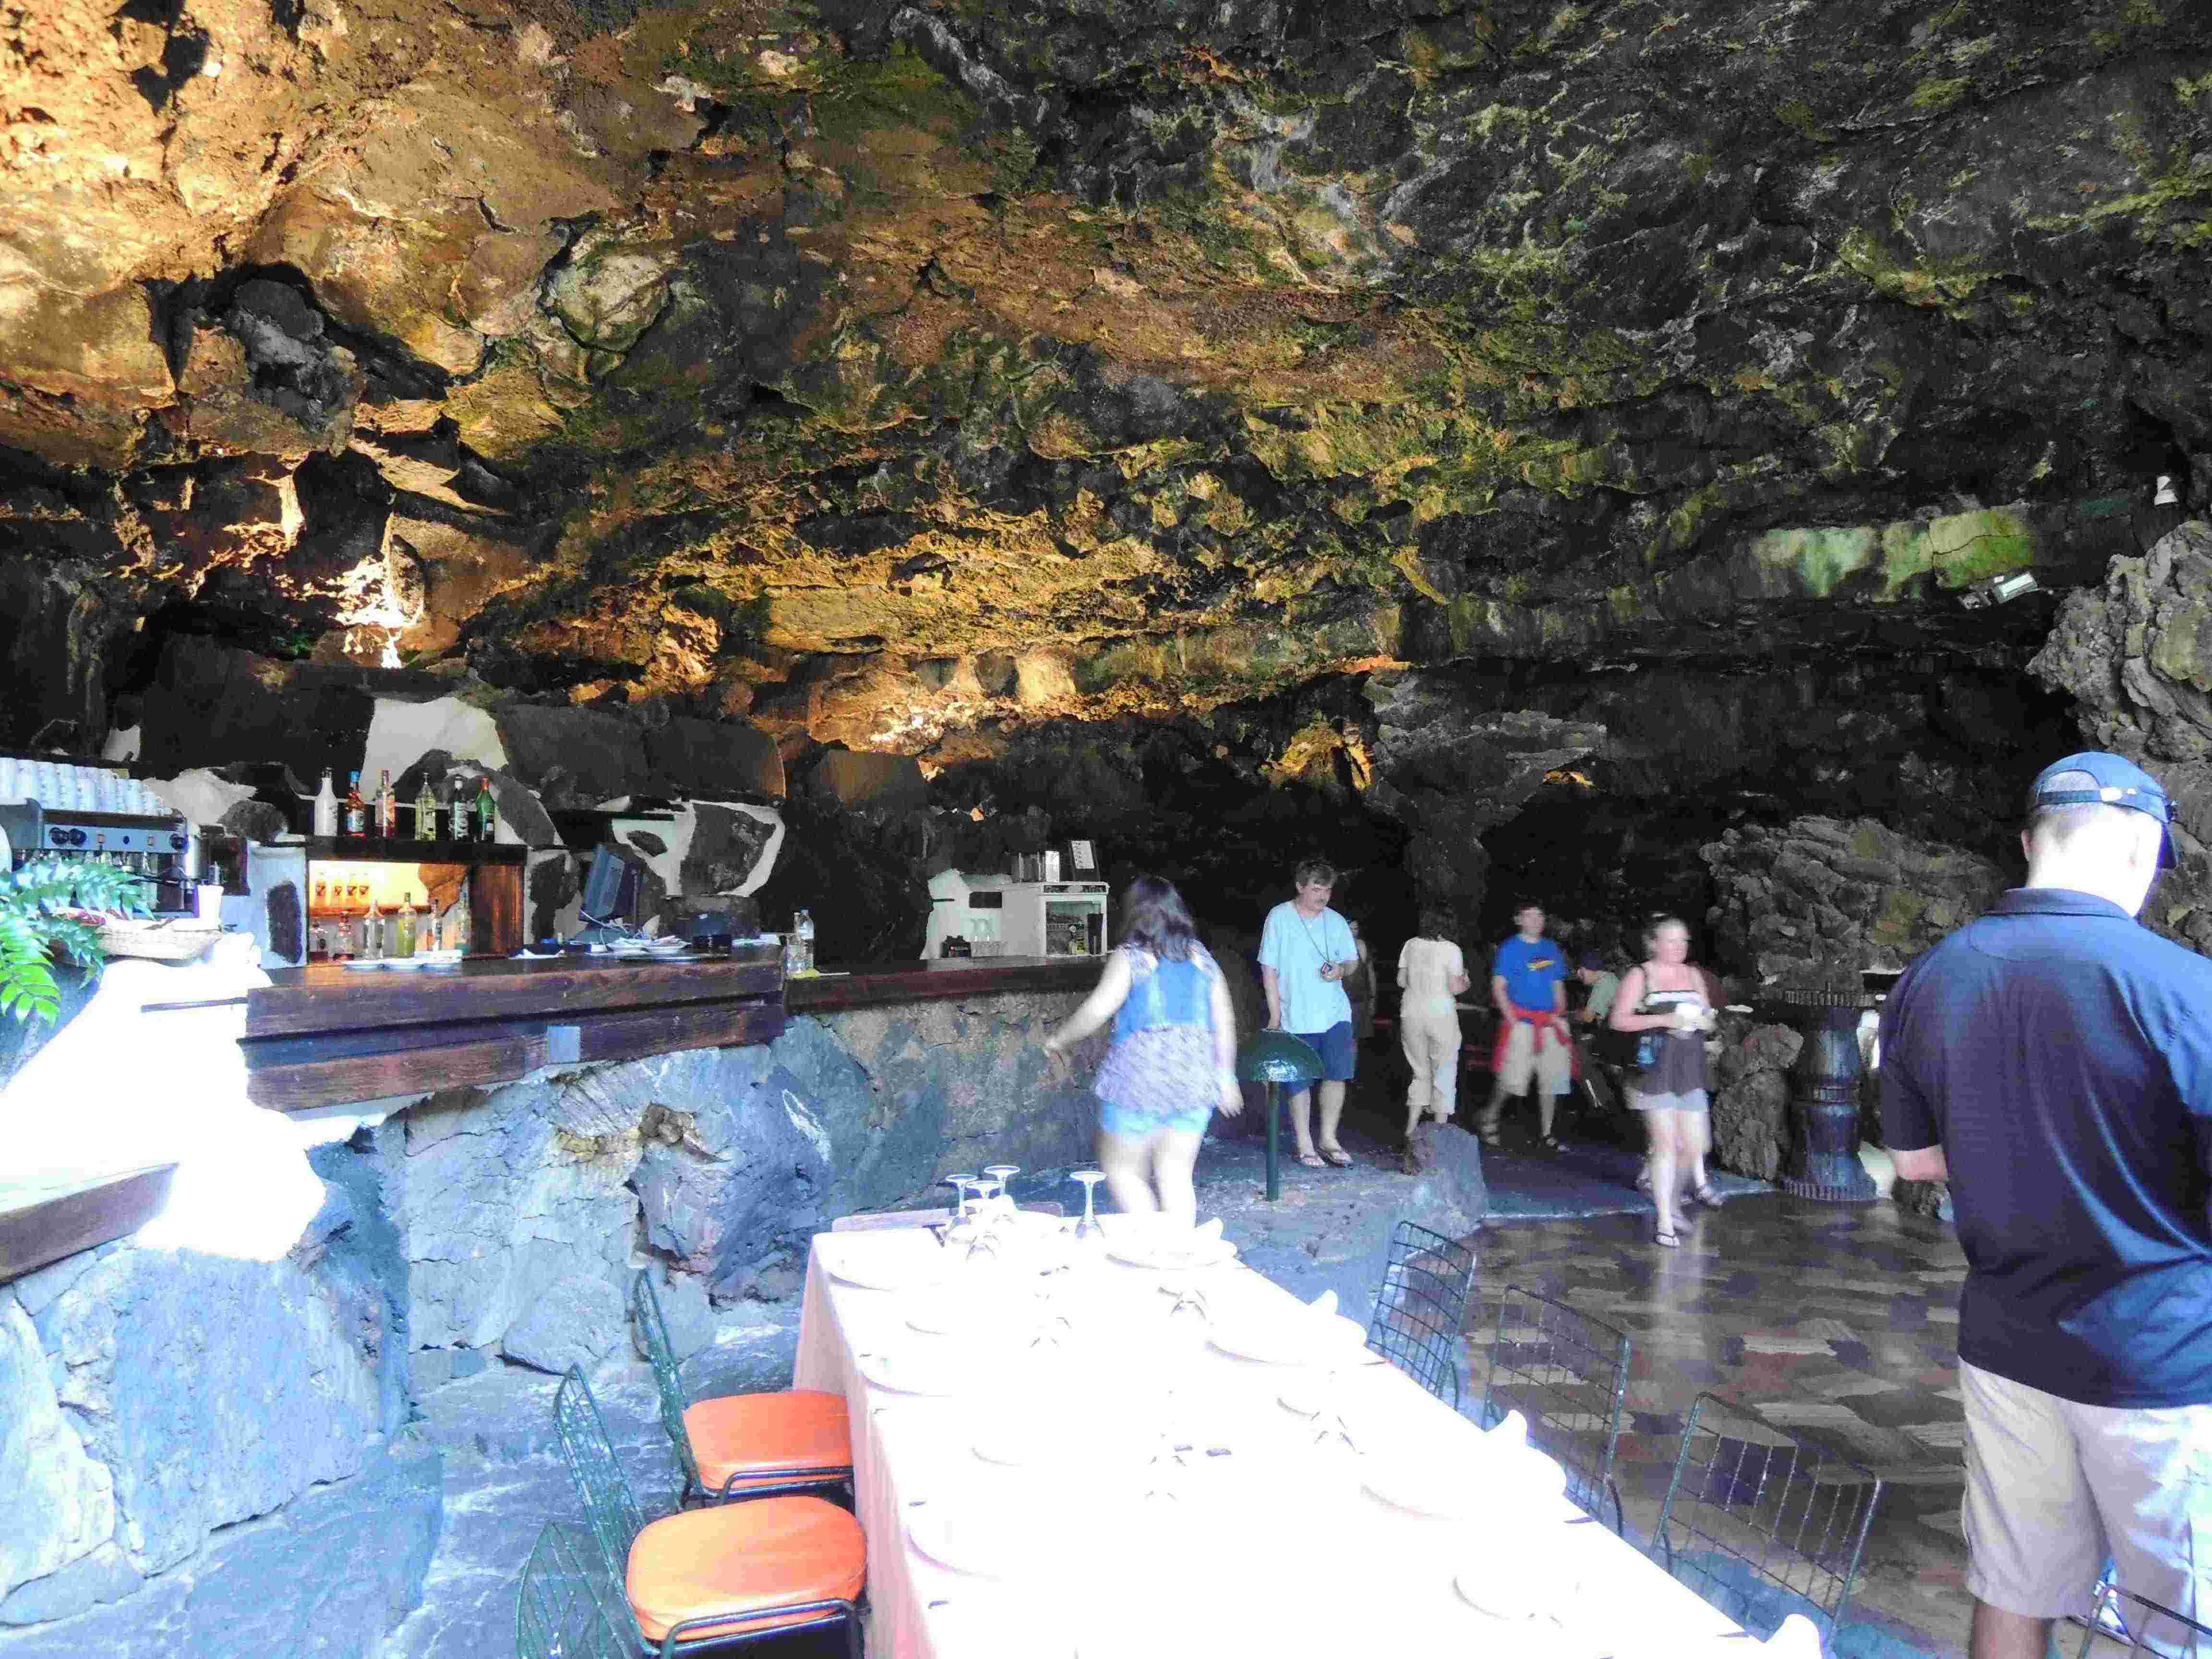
(1324, 1306)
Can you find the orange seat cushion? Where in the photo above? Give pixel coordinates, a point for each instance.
(741, 1558)
(753, 1436)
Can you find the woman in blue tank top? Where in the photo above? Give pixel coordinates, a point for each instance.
(1172, 1063)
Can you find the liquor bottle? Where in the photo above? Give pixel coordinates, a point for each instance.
(458, 811)
(457, 938)
(388, 808)
(426, 811)
(356, 809)
(802, 941)
(372, 932)
(403, 929)
(487, 813)
(326, 807)
(437, 928)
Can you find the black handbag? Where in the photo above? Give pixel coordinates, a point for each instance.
(1634, 1050)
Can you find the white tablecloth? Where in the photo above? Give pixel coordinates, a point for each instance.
(1114, 1545)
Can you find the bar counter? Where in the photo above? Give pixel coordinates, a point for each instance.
(858, 985)
(327, 1035)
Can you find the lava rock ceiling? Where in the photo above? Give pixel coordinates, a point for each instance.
(1390, 400)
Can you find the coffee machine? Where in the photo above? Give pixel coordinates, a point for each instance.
(56, 808)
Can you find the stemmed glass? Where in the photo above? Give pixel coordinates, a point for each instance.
(1003, 1174)
(1090, 1178)
(960, 1183)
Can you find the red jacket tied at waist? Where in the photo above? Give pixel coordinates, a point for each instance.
(1550, 1027)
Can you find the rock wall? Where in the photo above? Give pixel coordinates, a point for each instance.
(199, 1459)
(1812, 903)
(2134, 655)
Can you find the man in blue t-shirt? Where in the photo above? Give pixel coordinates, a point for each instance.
(1529, 988)
(1306, 950)
(2053, 1062)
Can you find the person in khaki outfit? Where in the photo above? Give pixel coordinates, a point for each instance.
(1431, 975)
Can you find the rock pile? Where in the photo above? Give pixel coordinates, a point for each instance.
(1809, 905)
(1751, 1098)
(2134, 655)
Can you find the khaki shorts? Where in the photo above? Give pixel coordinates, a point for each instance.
(2053, 1487)
(1522, 1062)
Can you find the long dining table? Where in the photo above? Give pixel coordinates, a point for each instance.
(1120, 1462)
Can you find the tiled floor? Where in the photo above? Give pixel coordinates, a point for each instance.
(1839, 1323)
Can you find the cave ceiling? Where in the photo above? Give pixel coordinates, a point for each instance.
(906, 375)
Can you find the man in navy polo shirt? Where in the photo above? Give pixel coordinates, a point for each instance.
(2053, 1062)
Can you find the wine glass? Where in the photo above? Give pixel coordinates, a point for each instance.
(1090, 1178)
(1003, 1174)
(960, 1183)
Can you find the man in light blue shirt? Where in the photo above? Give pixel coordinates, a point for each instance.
(1305, 950)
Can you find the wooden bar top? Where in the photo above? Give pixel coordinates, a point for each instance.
(936, 980)
(328, 995)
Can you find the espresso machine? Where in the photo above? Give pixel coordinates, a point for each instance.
(56, 808)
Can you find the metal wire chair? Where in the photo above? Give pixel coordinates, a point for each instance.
(1746, 1504)
(1567, 1375)
(611, 1510)
(2143, 1625)
(1421, 1308)
(561, 1604)
(668, 1381)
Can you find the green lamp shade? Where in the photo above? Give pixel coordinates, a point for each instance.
(1277, 1057)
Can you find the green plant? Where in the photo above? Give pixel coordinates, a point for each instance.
(47, 906)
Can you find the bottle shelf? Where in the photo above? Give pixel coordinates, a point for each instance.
(405, 849)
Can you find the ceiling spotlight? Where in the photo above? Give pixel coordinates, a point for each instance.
(1999, 589)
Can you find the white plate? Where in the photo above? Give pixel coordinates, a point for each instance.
(1292, 1339)
(889, 1270)
(1015, 1440)
(937, 1375)
(1446, 1488)
(986, 1543)
(1170, 1255)
(955, 1312)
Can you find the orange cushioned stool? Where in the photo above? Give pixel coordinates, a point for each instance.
(709, 1579)
(743, 1440)
(695, 1567)
(744, 1445)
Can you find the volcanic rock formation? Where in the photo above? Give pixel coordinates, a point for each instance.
(959, 380)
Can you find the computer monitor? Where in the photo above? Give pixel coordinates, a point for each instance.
(610, 885)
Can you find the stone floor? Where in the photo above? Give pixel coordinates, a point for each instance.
(1839, 1324)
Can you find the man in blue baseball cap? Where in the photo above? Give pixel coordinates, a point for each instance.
(2053, 1062)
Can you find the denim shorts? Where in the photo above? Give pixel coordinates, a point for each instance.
(1132, 1125)
(1339, 1054)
